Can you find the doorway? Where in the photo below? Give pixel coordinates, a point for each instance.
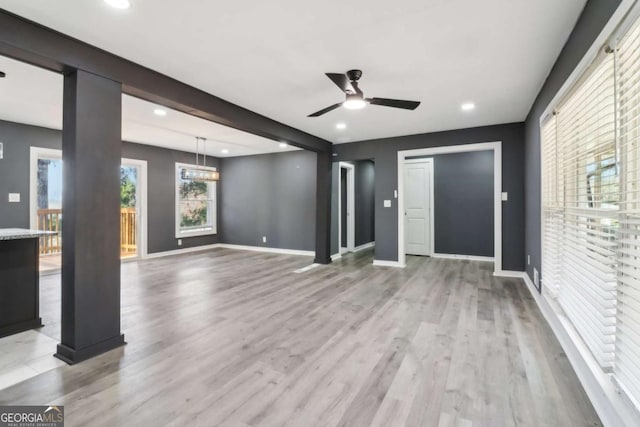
(346, 207)
(496, 149)
(418, 207)
(46, 213)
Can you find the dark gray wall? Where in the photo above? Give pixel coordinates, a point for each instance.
(384, 153)
(594, 17)
(365, 202)
(343, 202)
(463, 203)
(14, 177)
(272, 195)
(364, 177)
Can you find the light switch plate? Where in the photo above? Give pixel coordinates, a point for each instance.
(387, 203)
(505, 196)
(1, 150)
(14, 197)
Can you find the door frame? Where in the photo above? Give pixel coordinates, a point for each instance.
(38, 152)
(496, 147)
(351, 189)
(141, 204)
(429, 161)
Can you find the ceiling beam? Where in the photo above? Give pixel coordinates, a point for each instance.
(35, 44)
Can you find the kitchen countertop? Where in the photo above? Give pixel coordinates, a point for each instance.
(22, 233)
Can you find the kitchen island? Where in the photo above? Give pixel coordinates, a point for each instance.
(19, 280)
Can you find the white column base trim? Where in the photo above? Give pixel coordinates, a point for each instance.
(384, 263)
(336, 257)
(267, 249)
(612, 406)
(465, 257)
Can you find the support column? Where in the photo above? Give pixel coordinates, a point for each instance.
(323, 208)
(91, 151)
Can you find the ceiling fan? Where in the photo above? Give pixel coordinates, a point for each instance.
(348, 83)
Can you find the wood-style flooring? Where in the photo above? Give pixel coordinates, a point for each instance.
(236, 338)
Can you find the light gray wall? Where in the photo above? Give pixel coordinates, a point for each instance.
(385, 154)
(594, 17)
(463, 203)
(272, 195)
(14, 177)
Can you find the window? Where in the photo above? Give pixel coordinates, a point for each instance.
(591, 210)
(195, 205)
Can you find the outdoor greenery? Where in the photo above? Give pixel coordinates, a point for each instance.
(127, 187)
(194, 203)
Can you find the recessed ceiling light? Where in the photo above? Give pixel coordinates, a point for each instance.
(224, 151)
(468, 106)
(160, 112)
(341, 125)
(119, 4)
(283, 145)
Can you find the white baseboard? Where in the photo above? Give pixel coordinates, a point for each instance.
(365, 246)
(612, 406)
(384, 263)
(229, 246)
(465, 257)
(180, 251)
(266, 249)
(336, 257)
(509, 273)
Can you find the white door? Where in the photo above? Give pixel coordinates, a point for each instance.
(417, 215)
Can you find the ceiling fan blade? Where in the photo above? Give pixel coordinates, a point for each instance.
(342, 81)
(325, 110)
(396, 103)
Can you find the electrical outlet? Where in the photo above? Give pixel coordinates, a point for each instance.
(14, 197)
(528, 259)
(536, 278)
(179, 242)
(264, 239)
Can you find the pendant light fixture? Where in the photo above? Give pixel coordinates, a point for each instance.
(200, 173)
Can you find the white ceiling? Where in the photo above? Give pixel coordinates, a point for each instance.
(33, 96)
(271, 56)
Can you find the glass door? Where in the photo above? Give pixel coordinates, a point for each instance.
(46, 198)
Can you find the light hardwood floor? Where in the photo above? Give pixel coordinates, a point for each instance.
(236, 338)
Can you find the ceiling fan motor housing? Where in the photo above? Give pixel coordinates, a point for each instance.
(354, 75)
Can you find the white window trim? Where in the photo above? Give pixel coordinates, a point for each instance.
(208, 231)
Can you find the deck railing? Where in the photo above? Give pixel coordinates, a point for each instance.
(51, 220)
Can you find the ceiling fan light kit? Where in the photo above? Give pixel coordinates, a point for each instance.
(355, 100)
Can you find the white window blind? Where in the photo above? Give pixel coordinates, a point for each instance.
(582, 217)
(627, 351)
(552, 209)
